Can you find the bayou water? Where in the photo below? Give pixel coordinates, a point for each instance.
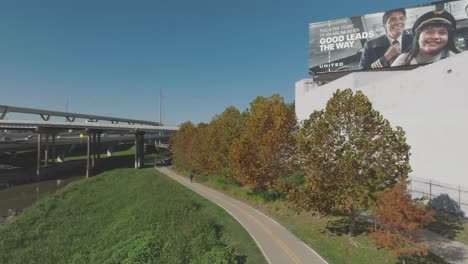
(22, 196)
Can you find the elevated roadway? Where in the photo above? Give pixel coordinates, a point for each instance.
(69, 117)
(44, 134)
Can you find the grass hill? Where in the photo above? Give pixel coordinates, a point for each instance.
(126, 216)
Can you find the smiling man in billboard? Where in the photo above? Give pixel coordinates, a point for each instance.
(382, 51)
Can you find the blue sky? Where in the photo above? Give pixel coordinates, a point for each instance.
(112, 57)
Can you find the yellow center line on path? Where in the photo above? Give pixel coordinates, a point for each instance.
(265, 228)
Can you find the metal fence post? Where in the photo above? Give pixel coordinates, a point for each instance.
(411, 186)
(430, 189)
(459, 196)
(445, 188)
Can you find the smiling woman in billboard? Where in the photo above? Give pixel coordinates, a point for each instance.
(433, 39)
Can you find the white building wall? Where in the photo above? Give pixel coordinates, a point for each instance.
(430, 103)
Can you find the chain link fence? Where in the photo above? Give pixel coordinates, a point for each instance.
(420, 187)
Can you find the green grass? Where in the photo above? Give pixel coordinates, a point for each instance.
(231, 188)
(126, 216)
(325, 235)
(462, 236)
(123, 158)
(321, 233)
(128, 152)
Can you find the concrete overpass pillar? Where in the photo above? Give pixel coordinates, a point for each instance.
(39, 143)
(44, 146)
(99, 146)
(54, 148)
(139, 149)
(46, 150)
(93, 150)
(93, 147)
(136, 151)
(142, 151)
(88, 152)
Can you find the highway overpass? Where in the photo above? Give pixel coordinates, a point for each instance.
(45, 136)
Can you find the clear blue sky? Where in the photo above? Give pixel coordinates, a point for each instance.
(111, 57)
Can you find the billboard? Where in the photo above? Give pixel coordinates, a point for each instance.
(398, 37)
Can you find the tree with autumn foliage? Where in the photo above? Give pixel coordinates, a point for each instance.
(221, 133)
(181, 144)
(399, 219)
(199, 144)
(348, 153)
(260, 156)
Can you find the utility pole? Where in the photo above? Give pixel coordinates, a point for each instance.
(66, 107)
(160, 107)
(160, 115)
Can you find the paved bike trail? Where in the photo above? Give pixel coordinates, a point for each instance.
(278, 245)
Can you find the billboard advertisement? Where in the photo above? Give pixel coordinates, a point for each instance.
(405, 36)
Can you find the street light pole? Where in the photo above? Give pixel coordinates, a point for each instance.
(160, 107)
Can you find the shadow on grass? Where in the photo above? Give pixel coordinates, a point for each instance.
(262, 196)
(446, 224)
(240, 259)
(218, 229)
(343, 225)
(429, 259)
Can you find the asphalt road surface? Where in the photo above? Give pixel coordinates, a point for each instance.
(277, 244)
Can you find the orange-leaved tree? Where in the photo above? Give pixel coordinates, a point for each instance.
(181, 143)
(221, 133)
(200, 148)
(260, 156)
(399, 220)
